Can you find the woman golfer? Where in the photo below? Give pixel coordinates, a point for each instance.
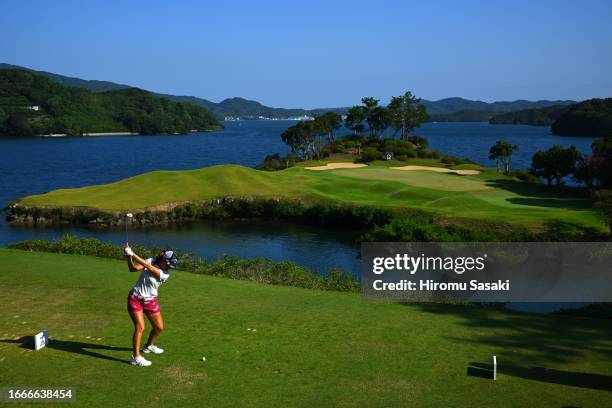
(143, 298)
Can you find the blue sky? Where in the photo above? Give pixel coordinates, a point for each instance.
(322, 53)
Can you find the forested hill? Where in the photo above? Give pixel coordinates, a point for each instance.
(91, 85)
(591, 118)
(535, 117)
(32, 104)
(588, 118)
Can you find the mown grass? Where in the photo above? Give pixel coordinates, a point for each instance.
(486, 196)
(309, 348)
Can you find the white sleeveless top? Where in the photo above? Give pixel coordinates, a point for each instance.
(147, 283)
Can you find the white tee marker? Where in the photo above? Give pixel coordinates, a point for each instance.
(494, 368)
(41, 340)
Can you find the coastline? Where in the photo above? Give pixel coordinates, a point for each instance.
(126, 133)
(92, 134)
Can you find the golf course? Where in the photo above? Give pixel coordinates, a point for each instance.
(269, 345)
(477, 193)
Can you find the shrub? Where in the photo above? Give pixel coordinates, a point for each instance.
(454, 160)
(526, 176)
(275, 162)
(260, 270)
(370, 154)
(424, 153)
(406, 151)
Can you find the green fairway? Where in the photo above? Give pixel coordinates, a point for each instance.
(305, 347)
(488, 196)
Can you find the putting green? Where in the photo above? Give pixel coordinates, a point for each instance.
(310, 348)
(485, 196)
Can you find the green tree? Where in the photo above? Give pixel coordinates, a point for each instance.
(588, 170)
(292, 136)
(372, 113)
(332, 121)
(419, 141)
(555, 163)
(406, 113)
(302, 139)
(502, 150)
(310, 130)
(379, 120)
(354, 119)
(602, 152)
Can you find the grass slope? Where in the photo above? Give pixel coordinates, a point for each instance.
(310, 348)
(489, 195)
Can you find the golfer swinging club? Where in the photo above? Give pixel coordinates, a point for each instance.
(143, 297)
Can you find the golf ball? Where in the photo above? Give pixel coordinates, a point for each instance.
(203, 358)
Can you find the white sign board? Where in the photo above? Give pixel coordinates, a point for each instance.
(41, 340)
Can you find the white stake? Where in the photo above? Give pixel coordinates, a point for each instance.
(494, 368)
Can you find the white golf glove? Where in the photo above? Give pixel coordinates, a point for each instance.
(128, 251)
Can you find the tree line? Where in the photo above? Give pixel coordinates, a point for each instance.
(307, 139)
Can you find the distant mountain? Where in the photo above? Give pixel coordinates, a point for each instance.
(466, 115)
(458, 108)
(246, 109)
(452, 105)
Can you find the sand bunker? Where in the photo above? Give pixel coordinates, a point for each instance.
(331, 166)
(438, 169)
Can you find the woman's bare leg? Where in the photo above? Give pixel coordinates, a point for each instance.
(158, 326)
(139, 326)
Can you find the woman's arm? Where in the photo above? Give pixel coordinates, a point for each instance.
(134, 267)
(154, 270)
(142, 263)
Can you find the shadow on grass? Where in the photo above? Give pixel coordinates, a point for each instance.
(542, 374)
(528, 339)
(480, 372)
(77, 347)
(541, 196)
(556, 202)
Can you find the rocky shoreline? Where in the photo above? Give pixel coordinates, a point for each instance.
(230, 207)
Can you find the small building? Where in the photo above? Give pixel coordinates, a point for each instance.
(34, 108)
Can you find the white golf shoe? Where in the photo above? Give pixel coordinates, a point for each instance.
(140, 361)
(152, 349)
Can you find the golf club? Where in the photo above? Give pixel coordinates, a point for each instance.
(127, 215)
